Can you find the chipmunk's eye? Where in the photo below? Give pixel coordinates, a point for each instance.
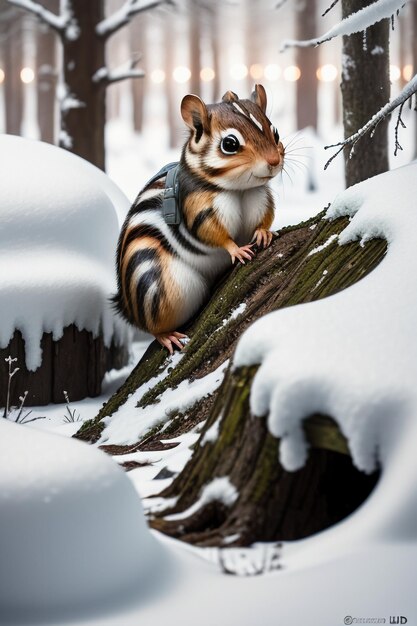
(275, 133)
(230, 144)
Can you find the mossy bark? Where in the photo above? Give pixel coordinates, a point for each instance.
(273, 504)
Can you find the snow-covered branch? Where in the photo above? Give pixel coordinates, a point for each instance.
(409, 89)
(57, 22)
(354, 23)
(122, 16)
(106, 77)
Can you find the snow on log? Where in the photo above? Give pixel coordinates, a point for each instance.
(60, 222)
(354, 23)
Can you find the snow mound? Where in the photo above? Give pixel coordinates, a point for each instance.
(352, 356)
(73, 536)
(60, 219)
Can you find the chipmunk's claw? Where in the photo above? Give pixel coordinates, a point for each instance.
(262, 237)
(167, 339)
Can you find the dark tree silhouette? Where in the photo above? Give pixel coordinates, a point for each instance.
(84, 31)
(46, 72)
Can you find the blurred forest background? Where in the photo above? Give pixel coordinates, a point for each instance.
(192, 46)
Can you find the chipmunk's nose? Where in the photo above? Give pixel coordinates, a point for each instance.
(273, 159)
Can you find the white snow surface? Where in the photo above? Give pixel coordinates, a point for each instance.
(73, 535)
(352, 356)
(59, 224)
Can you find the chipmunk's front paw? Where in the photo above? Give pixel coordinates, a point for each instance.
(262, 237)
(167, 339)
(242, 253)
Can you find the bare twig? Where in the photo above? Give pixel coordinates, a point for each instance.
(11, 372)
(280, 4)
(409, 90)
(122, 16)
(333, 4)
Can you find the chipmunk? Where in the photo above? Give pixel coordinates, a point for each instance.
(164, 270)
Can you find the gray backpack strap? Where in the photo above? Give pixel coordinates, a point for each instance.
(171, 205)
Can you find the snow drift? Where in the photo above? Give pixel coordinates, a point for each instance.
(73, 535)
(59, 223)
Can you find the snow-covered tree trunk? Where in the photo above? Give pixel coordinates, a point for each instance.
(272, 504)
(365, 89)
(307, 61)
(46, 69)
(83, 106)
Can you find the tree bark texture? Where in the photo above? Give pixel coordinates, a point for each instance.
(75, 363)
(83, 114)
(307, 60)
(13, 63)
(273, 504)
(365, 89)
(47, 73)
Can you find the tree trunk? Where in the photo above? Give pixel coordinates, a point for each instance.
(365, 89)
(414, 57)
(83, 110)
(194, 40)
(75, 363)
(214, 32)
(46, 71)
(307, 61)
(13, 63)
(273, 504)
(172, 114)
(137, 45)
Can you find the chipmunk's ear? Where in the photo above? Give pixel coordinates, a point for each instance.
(230, 96)
(195, 115)
(259, 97)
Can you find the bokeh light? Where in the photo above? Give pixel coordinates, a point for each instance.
(394, 72)
(292, 73)
(1, 76)
(272, 72)
(256, 71)
(27, 75)
(157, 76)
(207, 74)
(181, 74)
(327, 73)
(239, 71)
(408, 72)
